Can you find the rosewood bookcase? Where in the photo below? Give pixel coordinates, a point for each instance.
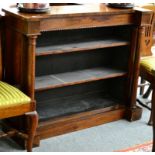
(79, 62)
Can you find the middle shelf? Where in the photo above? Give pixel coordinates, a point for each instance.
(76, 77)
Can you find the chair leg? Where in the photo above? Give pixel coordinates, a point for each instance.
(146, 95)
(142, 81)
(150, 122)
(153, 114)
(32, 118)
(144, 101)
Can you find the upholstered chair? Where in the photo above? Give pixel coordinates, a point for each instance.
(13, 103)
(147, 64)
(147, 68)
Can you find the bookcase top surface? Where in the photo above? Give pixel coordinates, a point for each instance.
(71, 10)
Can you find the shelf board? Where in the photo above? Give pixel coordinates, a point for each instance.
(83, 120)
(76, 104)
(76, 77)
(79, 46)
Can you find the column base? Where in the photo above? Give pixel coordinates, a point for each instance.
(134, 114)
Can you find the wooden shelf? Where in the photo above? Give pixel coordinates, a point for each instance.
(76, 77)
(76, 104)
(83, 120)
(79, 46)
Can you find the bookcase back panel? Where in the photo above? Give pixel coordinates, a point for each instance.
(53, 64)
(79, 35)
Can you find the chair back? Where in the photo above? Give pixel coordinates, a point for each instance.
(152, 7)
(148, 39)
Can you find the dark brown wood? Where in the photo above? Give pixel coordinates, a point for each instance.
(2, 21)
(147, 37)
(78, 121)
(15, 111)
(28, 66)
(145, 46)
(131, 69)
(133, 114)
(87, 21)
(153, 114)
(123, 55)
(135, 74)
(151, 78)
(144, 100)
(32, 126)
(0, 50)
(147, 42)
(70, 11)
(8, 134)
(13, 69)
(18, 110)
(141, 46)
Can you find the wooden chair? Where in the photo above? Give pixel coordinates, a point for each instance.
(147, 65)
(13, 103)
(147, 69)
(149, 75)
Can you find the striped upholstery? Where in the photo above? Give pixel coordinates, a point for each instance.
(11, 96)
(149, 64)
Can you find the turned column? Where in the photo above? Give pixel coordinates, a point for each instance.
(134, 112)
(28, 65)
(141, 45)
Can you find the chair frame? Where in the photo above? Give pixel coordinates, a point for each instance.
(145, 47)
(151, 79)
(26, 109)
(143, 98)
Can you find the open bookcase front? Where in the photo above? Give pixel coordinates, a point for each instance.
(81, 70)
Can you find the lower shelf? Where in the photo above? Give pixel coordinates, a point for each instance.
(76, 104)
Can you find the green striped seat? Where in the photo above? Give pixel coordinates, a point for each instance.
(149, 64)
(11, 96)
